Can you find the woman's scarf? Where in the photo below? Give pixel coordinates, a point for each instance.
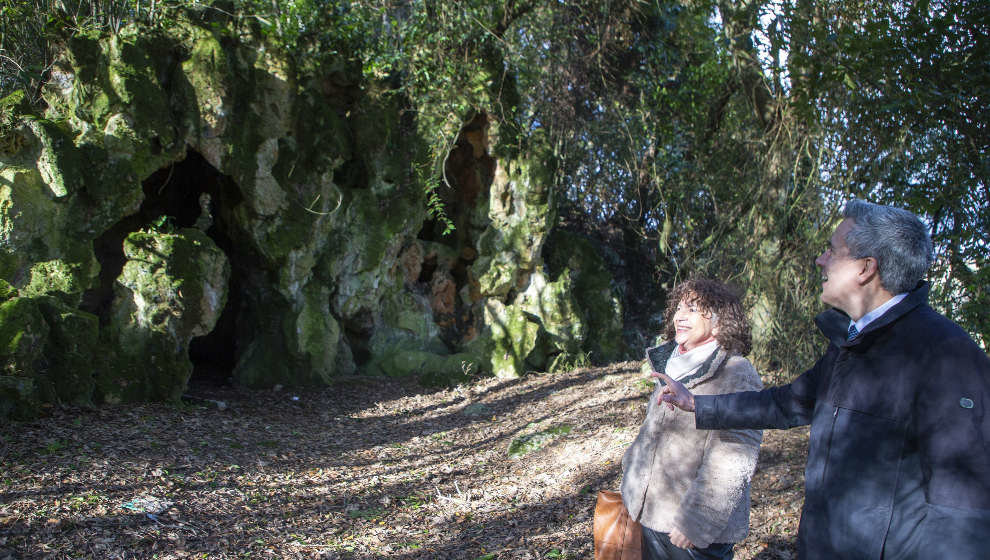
(680, 366)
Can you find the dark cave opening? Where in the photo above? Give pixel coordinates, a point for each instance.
(429, 266)
(173, 199)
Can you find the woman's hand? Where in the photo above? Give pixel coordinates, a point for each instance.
(678, 539)
(674, 393)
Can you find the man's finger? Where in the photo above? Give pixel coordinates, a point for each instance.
(667, 397)
(664, 377)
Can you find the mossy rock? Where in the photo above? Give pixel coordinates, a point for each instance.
(590, 286)
(75, 355)
(18, 397)
(23, 336)
(515, 336)
(51, 354)
(531, 442)
(58, 278)
(429, 368)
(302, 348)
(172, 288)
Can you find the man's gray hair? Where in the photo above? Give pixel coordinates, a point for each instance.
(896, 238)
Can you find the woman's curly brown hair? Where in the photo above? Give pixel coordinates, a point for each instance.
(718, 299)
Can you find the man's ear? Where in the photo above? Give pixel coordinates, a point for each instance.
(870, 270)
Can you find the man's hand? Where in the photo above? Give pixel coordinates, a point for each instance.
(674, 394)
(678, 539)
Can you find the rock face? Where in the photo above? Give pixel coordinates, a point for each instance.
(190, 196)
(173, 288)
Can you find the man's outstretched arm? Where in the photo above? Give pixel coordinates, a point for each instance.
(785, 406)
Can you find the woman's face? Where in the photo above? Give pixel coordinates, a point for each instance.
(693, 327)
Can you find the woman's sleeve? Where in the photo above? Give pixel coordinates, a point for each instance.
(723, 479)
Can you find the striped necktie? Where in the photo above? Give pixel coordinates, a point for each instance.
(853, 331)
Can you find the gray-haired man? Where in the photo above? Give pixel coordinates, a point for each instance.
(899, 453)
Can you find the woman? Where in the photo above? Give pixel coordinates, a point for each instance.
(689, 488)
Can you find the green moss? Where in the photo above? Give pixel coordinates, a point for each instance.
(61, 166)
(294, 230)
(50, 353)
(23, 332)
(373, 241)
(405, 312)
(429, 368)
(591, 284)
(531, 442)
(317, 334)
(74, 354)
(6, 291)
(86, 56)
(55, 277)
(515, 334)
(172, 288)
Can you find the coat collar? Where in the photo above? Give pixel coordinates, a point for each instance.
(659, 355)
(833, 323)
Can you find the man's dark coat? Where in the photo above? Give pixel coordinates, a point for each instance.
(899, 452)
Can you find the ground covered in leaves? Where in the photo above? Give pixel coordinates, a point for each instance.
(368, 468)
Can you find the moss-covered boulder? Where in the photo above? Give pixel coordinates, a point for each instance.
(23, 334)
(41, 249)
(75, 355)
(50, 353)
(514, 336)
(589, 304)
(301, 344)
(521, 213)
(173, 288)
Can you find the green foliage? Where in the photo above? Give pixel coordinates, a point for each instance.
(901, 91)
(162, 224)
(33, 30)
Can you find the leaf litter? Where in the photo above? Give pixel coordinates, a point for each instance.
(367, 468)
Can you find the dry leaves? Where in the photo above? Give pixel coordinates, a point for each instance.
(370, 468)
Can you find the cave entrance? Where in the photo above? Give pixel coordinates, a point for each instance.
(174, 199)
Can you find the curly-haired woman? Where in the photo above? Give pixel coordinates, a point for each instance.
(689, 488)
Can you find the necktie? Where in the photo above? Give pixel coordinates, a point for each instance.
(853, 331)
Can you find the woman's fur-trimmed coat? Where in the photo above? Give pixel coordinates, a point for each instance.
(677, 476)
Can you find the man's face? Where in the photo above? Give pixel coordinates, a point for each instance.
(839, 269)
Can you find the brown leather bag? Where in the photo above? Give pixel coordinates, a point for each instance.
(617, 536)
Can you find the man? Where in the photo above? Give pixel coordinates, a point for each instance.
(899, 454)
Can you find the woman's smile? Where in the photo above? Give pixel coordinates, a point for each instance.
(693, 326)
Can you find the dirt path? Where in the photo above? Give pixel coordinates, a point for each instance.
(369, 468)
